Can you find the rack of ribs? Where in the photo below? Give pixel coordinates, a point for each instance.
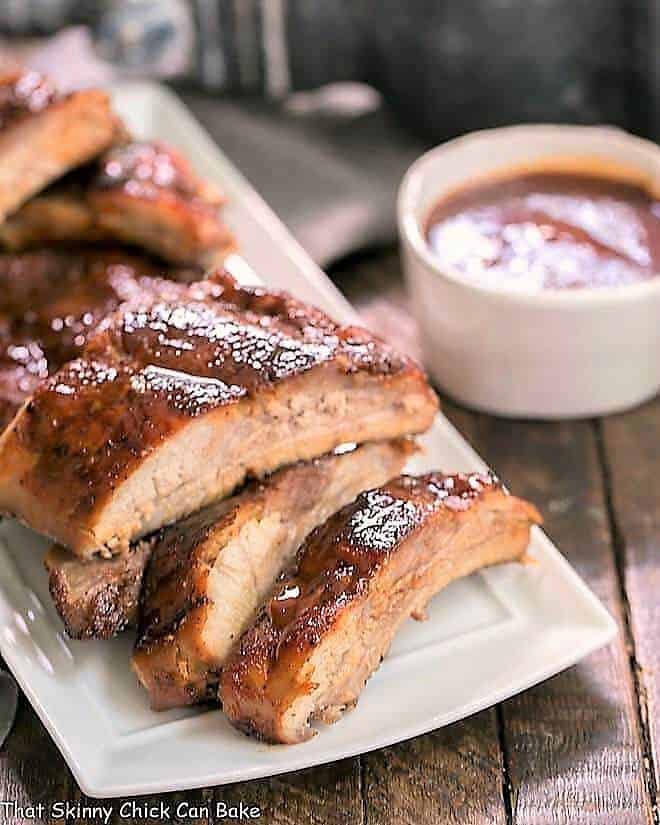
(209, 573)
(179, 397)
(357, 578)
(43, 134)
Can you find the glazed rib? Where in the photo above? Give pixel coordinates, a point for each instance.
(147, 193)
(142, 193)
(209, 573)
(99, 598)
(178, 398)
(50, 301)
(44, 134)
(357, 578)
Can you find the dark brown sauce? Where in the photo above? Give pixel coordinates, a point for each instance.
(551, 230)
(50, 301)
(171, 355)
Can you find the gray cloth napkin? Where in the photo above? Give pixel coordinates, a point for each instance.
(8, 704)
(331, 176)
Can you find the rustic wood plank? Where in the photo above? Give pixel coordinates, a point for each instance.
(573, 744)
(330, 794)
(147, 810)
(453, 775)
(631, 445)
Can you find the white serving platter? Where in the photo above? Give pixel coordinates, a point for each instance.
(487, 637)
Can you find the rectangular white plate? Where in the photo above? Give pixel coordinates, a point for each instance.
(487, 637)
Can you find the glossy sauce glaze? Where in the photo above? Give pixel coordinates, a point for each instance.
(178, 354)
(50, 302)
(339, 558)
(181, 352)
(24, 94)
(146, 169)
(548, 230)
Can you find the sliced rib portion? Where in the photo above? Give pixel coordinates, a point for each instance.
(143, 193)
(43, 134)
(210, 573)
(99, 598)
(179, 397)
(51, 300)
(147, 193)
(358, 577)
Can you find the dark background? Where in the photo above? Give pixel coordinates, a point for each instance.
(456, 65)
(448, 66)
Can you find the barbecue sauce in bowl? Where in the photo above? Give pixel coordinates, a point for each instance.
(548, 230)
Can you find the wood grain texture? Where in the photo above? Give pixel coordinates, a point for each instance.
(453, 775)
(573, 744)
(330, 794)
(631, 446)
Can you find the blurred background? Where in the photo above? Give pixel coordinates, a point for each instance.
(349, 92)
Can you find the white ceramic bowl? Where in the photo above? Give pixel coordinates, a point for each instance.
(546, 354)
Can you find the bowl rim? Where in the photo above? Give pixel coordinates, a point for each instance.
(411, 232)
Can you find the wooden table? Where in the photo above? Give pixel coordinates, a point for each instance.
(581, 748)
